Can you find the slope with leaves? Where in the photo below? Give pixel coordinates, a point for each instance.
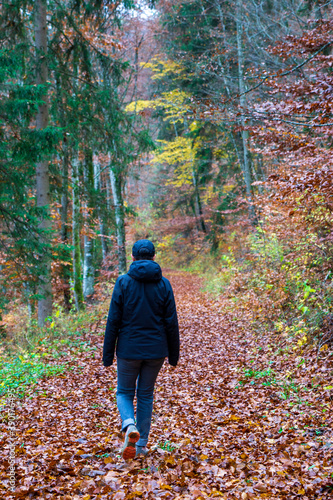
(227, 423)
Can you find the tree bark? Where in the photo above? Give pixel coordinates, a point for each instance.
(242, 102)
(64, 160)
(102, 228)
(108, 193)
(42, 170)
(88, 264)
(66, 274)
(197, 203)
(120, 219)
(78, 292)
(88, 267)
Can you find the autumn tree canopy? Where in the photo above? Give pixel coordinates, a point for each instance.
(204, 125)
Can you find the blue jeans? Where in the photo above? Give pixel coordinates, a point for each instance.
(140, 375)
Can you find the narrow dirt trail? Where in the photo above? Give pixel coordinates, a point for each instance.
(210, 437)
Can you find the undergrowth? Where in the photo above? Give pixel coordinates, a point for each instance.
(280, 280)
(31, 353)
(279, 288)
(21, 372)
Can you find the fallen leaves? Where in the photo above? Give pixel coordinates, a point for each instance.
(210, 437)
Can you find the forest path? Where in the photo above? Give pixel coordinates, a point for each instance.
(210, 436)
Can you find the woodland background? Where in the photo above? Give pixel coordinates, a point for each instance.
(203, 125)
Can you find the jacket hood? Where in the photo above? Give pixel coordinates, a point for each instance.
(145, 270)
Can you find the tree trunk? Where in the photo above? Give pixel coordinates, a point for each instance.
(242, 102)
(108, 193)
(66, 274)
(78, 292)
(120, 219)
(88, 267)
(3, 294)
(197, 203)
(88, 264)
(42, 170)
(102, 228)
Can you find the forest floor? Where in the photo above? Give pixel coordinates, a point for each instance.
(230, 421)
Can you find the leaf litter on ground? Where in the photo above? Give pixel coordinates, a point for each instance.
(236, 419)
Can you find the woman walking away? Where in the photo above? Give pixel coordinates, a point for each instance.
(143, 323)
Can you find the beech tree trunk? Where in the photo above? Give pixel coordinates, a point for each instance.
(77, 279)
(64, 159)
(108, 193)
(3, 293)
(88, 264)
(88, 267)
(42, 169)
(102, 228)
(242, 102)
(120, 219)
(66, 274)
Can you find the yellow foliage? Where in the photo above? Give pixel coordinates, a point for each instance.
(194, 126)
(209, 194)
(175, 104)
(220, 153)
(302, 341)
(163, 68)
(137, 106)
(228, 187)
(176, 151)
(179, 153)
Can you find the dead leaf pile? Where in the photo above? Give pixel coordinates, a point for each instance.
(219, 429)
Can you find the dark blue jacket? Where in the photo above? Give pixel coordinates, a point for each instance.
(142, 317)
